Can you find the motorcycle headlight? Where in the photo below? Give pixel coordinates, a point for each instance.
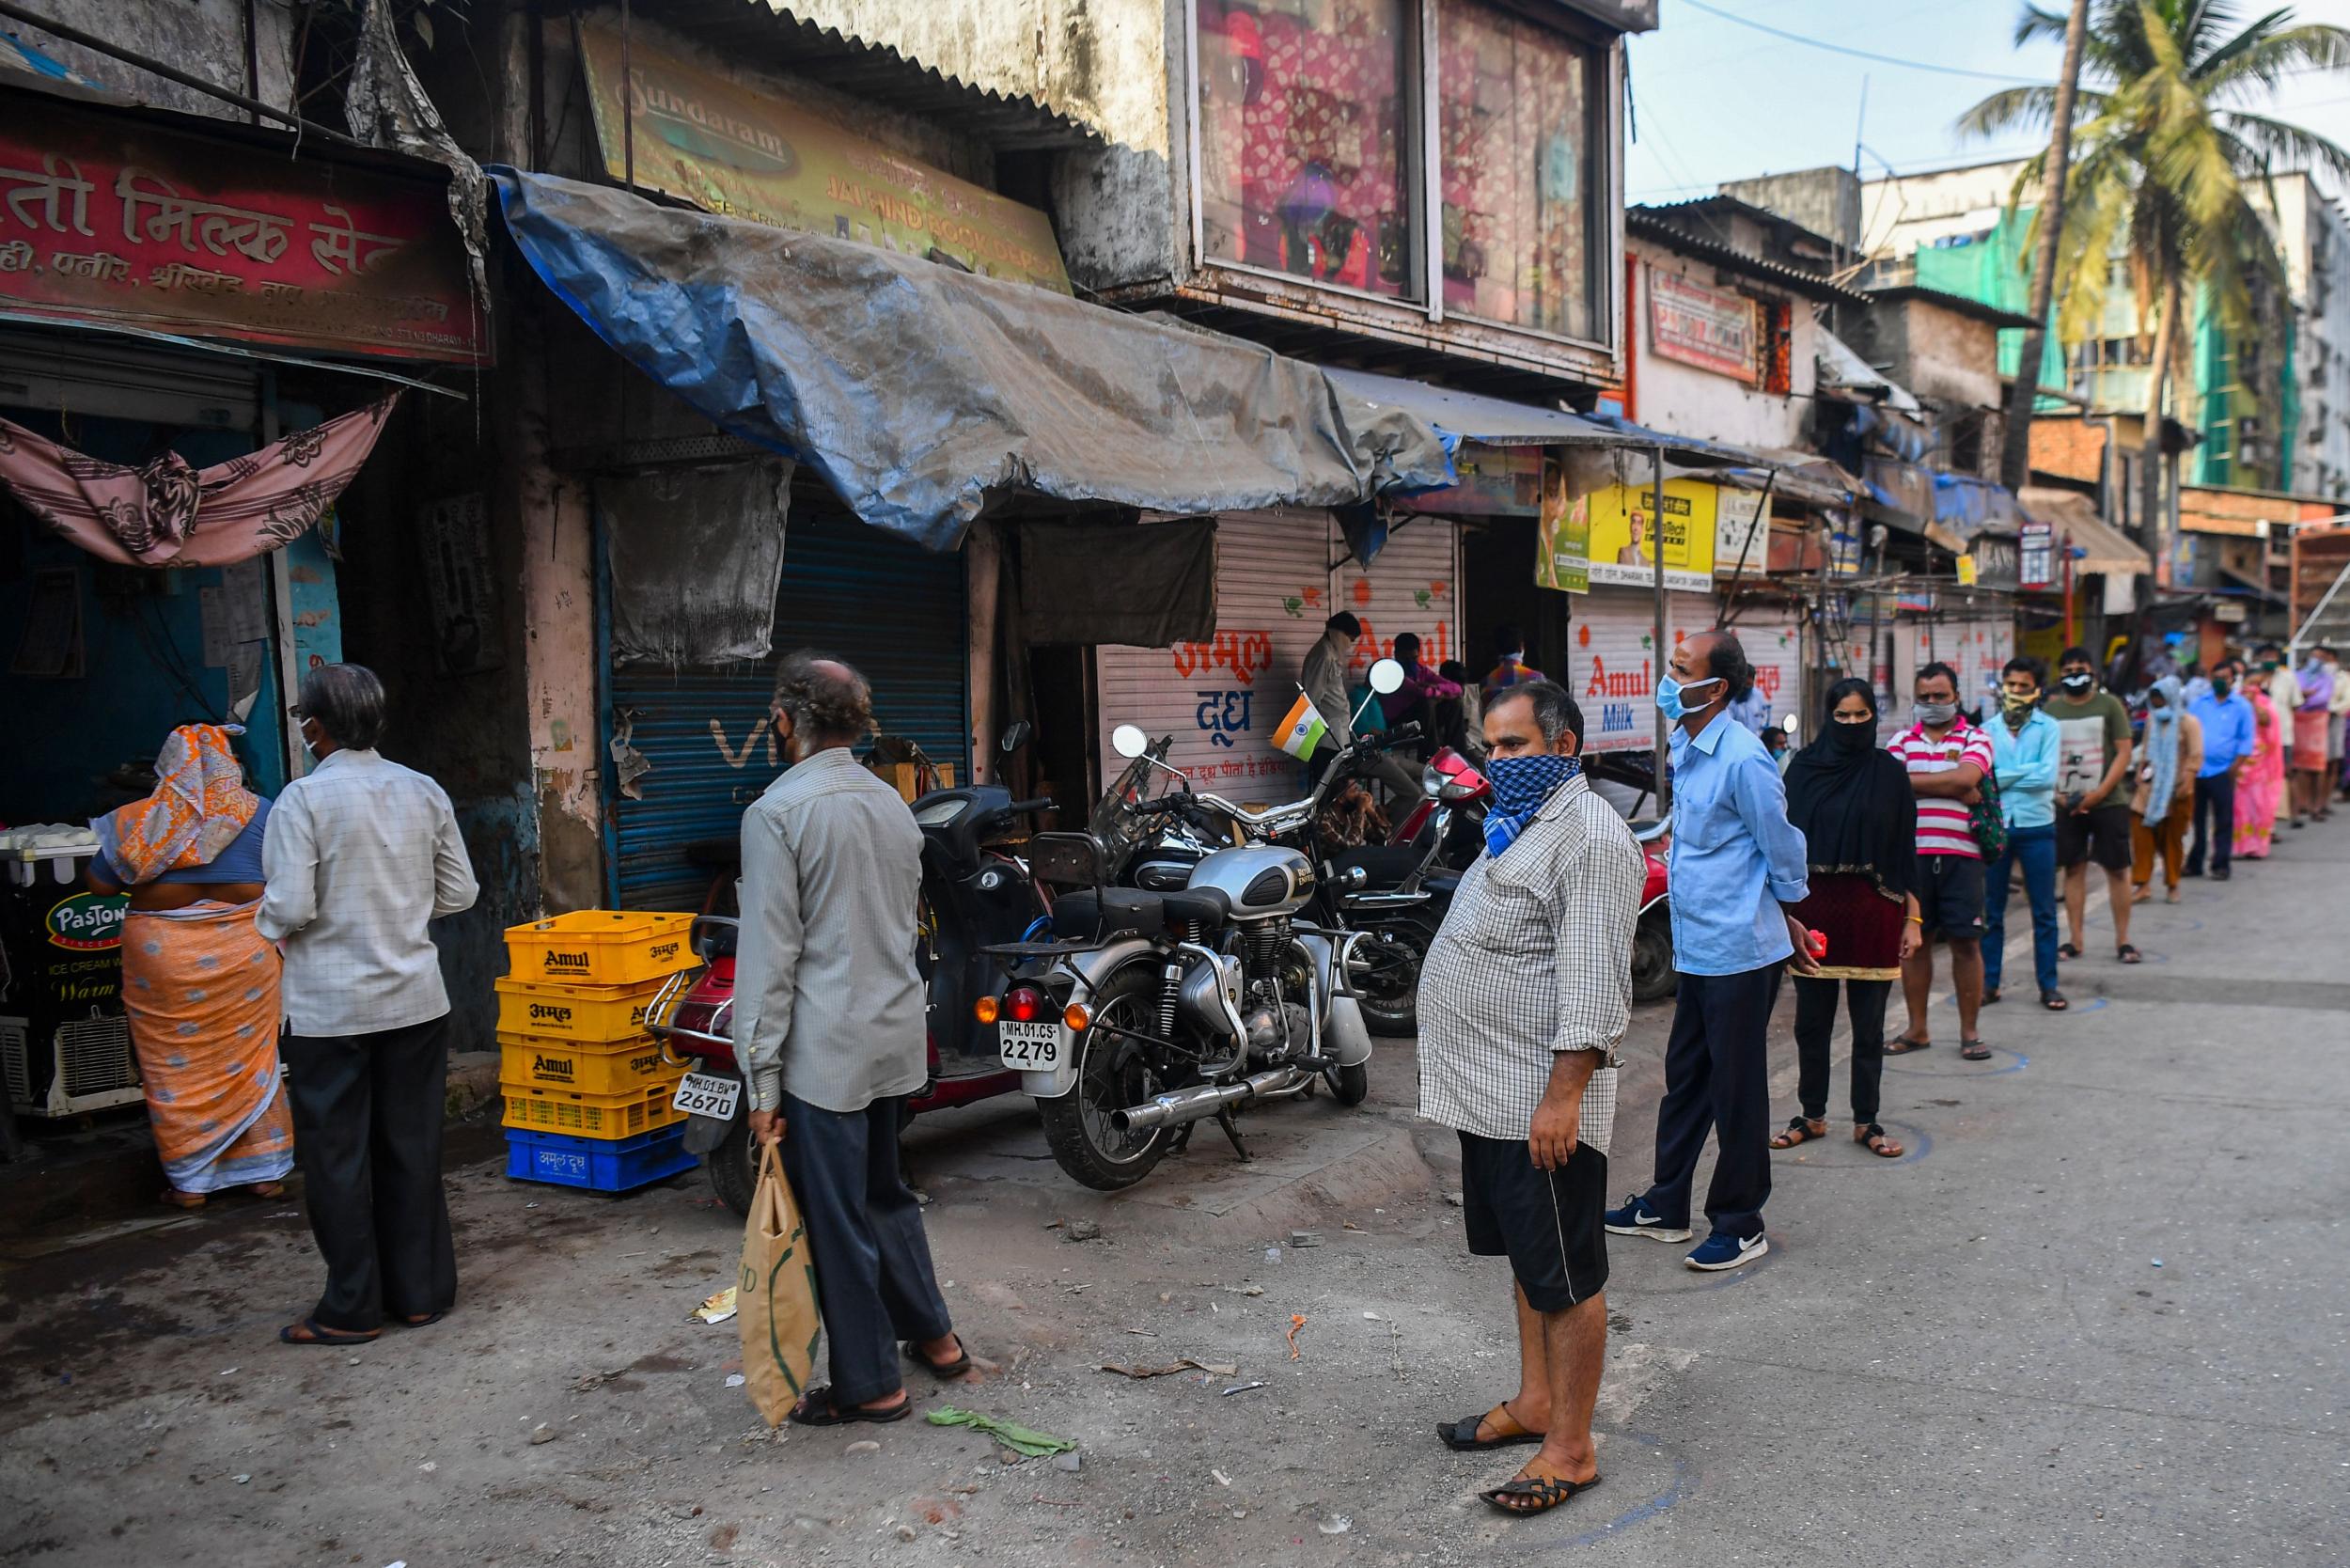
(1432, 782)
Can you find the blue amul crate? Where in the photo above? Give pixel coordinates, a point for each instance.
(595, 1164)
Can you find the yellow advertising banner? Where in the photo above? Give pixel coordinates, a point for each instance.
(1625, 531)
(732, 149)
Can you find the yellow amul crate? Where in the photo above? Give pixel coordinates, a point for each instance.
(592, 1014)
(600, 946)
(619, 1067)
(606, 1116)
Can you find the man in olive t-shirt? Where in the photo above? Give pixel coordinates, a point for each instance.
(2093, 809)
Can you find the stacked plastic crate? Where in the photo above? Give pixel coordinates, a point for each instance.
(587, 1091)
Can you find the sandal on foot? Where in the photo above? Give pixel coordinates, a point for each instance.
(2141, 894)
(1902, 1044)
(172, 1198)
(266, 1190)
(816, 1408)
(310, 1332)
(2128, 953)
(426, 1321)
(2066, 949)
(1803, 1129)
(945, 1371)
(1873, 1137)
(1974, 1050)
(1541, 1494)
(1990, 996)
(2171, 896)
(1467, 1436)
(2054, 1001)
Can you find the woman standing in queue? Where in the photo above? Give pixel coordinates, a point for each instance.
(1858, 817)
(199, 984)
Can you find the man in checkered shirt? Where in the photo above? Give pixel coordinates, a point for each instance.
(1526, 994)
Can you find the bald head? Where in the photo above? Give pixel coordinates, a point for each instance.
(820, 703)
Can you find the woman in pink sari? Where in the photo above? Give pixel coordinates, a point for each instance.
(2262, 785)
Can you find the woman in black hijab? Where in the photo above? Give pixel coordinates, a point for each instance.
(1860, 819)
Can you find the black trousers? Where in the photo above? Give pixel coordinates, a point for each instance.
(1717, 1079)
(2215, 801)
(366, 1112)
(874, 1284)
(1815, 1020)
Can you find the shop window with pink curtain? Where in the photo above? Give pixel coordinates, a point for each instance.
(1307, 127)
(1516, 158)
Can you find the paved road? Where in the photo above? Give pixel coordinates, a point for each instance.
(1970, 1355)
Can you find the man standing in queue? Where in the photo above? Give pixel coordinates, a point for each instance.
(829, 1022)
(1738, 868)
(1523, 996)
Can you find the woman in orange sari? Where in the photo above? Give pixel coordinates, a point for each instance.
(2262, 788)
(199, 984)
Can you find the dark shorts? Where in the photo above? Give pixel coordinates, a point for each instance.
(1546, 1222)
(1949, 895)
(2101, 836)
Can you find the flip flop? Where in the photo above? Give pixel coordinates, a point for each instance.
(2066, 949)
(310, 1332)
(1461, 1436)
(424, 1321)
(1901, 1045)
(1974, 1050)
(1545, 1492)
(945, 1371)
(2054, 1001)
(2128, 953)
(816, 1409)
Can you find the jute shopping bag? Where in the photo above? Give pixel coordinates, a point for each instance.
(776, 1298)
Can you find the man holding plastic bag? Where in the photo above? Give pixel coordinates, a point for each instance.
(829, 1024)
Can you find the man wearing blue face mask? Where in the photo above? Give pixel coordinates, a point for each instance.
(1738, 868)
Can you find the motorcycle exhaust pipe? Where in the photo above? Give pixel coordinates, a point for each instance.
(1175, 1109)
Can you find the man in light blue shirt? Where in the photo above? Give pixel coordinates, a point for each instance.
(2025, 743)
(1738, 867)
(2230, 733)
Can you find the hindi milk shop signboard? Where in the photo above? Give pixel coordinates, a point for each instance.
(741, 153)
(109, 220)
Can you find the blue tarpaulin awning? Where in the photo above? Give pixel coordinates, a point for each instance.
(923, 394)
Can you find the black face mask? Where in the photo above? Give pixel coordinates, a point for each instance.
(2078, 682)
(1852, 737)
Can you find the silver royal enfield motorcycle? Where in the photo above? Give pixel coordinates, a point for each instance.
(1144, 1012)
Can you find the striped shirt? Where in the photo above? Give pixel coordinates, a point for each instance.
(1942, 820)
(1534, 958)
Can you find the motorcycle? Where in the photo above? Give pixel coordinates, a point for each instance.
(974, 894)
(1150, 1009)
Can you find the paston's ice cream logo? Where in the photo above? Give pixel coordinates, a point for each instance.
(88, 922)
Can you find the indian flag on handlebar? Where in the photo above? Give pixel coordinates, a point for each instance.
(1301, 729)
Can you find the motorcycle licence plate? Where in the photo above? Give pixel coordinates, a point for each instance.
(1032, 1047)
(707, 1094)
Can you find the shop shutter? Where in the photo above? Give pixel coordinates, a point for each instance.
(1613, 662)
(894, 611)
(1975, 646)
(1773, 638)
(1222, 700)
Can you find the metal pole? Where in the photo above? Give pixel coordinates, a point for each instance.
(1656, 535)
(170, 73)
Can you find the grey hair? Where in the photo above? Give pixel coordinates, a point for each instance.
(827, 700)
(1555, 711)
(348, 702)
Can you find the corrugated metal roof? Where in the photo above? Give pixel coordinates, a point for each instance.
(1917, 293)
(1651, 223)
(770, 32)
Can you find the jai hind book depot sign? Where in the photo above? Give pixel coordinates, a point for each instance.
(735, 150)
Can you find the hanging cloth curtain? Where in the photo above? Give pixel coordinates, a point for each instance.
(167, 513)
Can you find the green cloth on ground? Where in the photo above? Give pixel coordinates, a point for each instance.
(1036, 1445)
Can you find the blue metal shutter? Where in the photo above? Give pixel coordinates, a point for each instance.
(895, 611)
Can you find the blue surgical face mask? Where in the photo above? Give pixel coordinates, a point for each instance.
(1668, 693)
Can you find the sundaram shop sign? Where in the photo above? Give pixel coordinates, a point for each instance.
(114, 221)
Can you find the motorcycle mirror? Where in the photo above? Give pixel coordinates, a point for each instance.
(1016, 736)
(1129, 740)
(1386, 676)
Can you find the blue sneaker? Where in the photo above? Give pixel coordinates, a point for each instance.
(1720, 1251)
(1636, 1219)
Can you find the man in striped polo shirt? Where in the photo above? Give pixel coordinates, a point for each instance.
(1947, 760)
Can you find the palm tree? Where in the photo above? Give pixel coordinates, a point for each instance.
(2168, 156)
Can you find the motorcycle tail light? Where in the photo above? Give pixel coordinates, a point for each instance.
(1025, 1004)
(985, 1010)
(1076, 1017)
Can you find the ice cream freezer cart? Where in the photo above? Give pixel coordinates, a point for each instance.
(65, 1046)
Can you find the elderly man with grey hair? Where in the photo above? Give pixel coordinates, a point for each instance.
(1524, 999)
(830, 1025)
(361, 857)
